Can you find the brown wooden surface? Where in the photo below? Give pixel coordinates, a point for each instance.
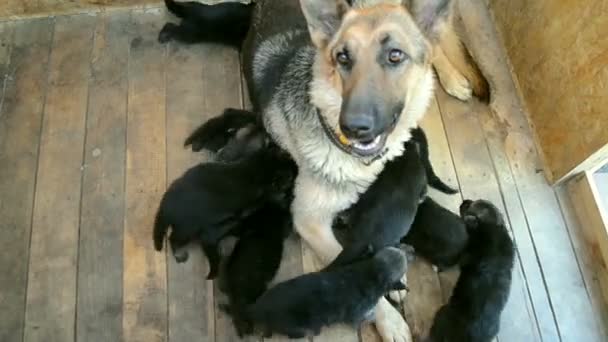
(478, 180)
(593, 266)
(140, 99)
(558, 52)
(191, 311)
(51, 296)
(144, 280)
(100, 262)
(25, 62)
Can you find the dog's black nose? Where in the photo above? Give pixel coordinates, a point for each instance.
(359, 127)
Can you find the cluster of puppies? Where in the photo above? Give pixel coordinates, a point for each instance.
(247, 193)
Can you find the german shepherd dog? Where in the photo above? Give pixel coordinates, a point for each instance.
(339, 87)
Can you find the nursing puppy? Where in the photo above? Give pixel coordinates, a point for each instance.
(210, 199)
(302, 306)
(473, 312)
(385, 211)
(255, 259)
(438, 235)
(200, 22)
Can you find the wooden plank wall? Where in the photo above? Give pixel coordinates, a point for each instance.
(558, 53)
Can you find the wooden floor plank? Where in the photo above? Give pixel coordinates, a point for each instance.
(6, 44)
(588, 256)
(291, 267)
(477, 180)
(191, 316)
(441, 159)
(340, 333)
(563, 278)
(51, 296)
(495, 136)
(221, 89)
(144, 280)
(20, 122)
(100, 257)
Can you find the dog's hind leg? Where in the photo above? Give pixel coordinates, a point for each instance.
(450, 78)
(455, 51)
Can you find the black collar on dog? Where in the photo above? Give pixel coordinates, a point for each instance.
(346, 149)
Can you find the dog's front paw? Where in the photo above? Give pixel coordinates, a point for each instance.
(458, 86)
(390, 324)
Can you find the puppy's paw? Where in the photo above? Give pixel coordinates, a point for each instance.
(390, 324)
(458, 86)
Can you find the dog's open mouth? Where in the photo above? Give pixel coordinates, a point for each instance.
(361, 148)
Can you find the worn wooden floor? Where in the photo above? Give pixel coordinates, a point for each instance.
(93, 112)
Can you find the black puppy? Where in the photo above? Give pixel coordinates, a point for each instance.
(437, 235)
(473, 312)
(209, 200)
(385, 211)
(255, 259)
(305, 304)
(225, 23)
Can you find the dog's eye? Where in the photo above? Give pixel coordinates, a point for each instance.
(396, 56)
(343, 58)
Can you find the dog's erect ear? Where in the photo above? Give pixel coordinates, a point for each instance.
(428, 13)
(324, 18)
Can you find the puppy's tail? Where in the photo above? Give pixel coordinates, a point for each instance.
(433, 180)
(161, 226)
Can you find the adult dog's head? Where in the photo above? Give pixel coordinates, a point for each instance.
(373, 76)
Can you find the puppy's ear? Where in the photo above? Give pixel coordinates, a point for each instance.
(323, 18)
(429, 14)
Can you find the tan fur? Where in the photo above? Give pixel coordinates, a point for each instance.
(461, 62)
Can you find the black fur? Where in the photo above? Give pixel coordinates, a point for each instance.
(216, 132)
(473, 312)
(385, 211)
(225, 23)
(209, 200)
(303, 305)
(255, 259)
(438, 235)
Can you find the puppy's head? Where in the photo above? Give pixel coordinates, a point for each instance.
(245, 142)
(480, 212)
(373, 71)
(392, 261)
